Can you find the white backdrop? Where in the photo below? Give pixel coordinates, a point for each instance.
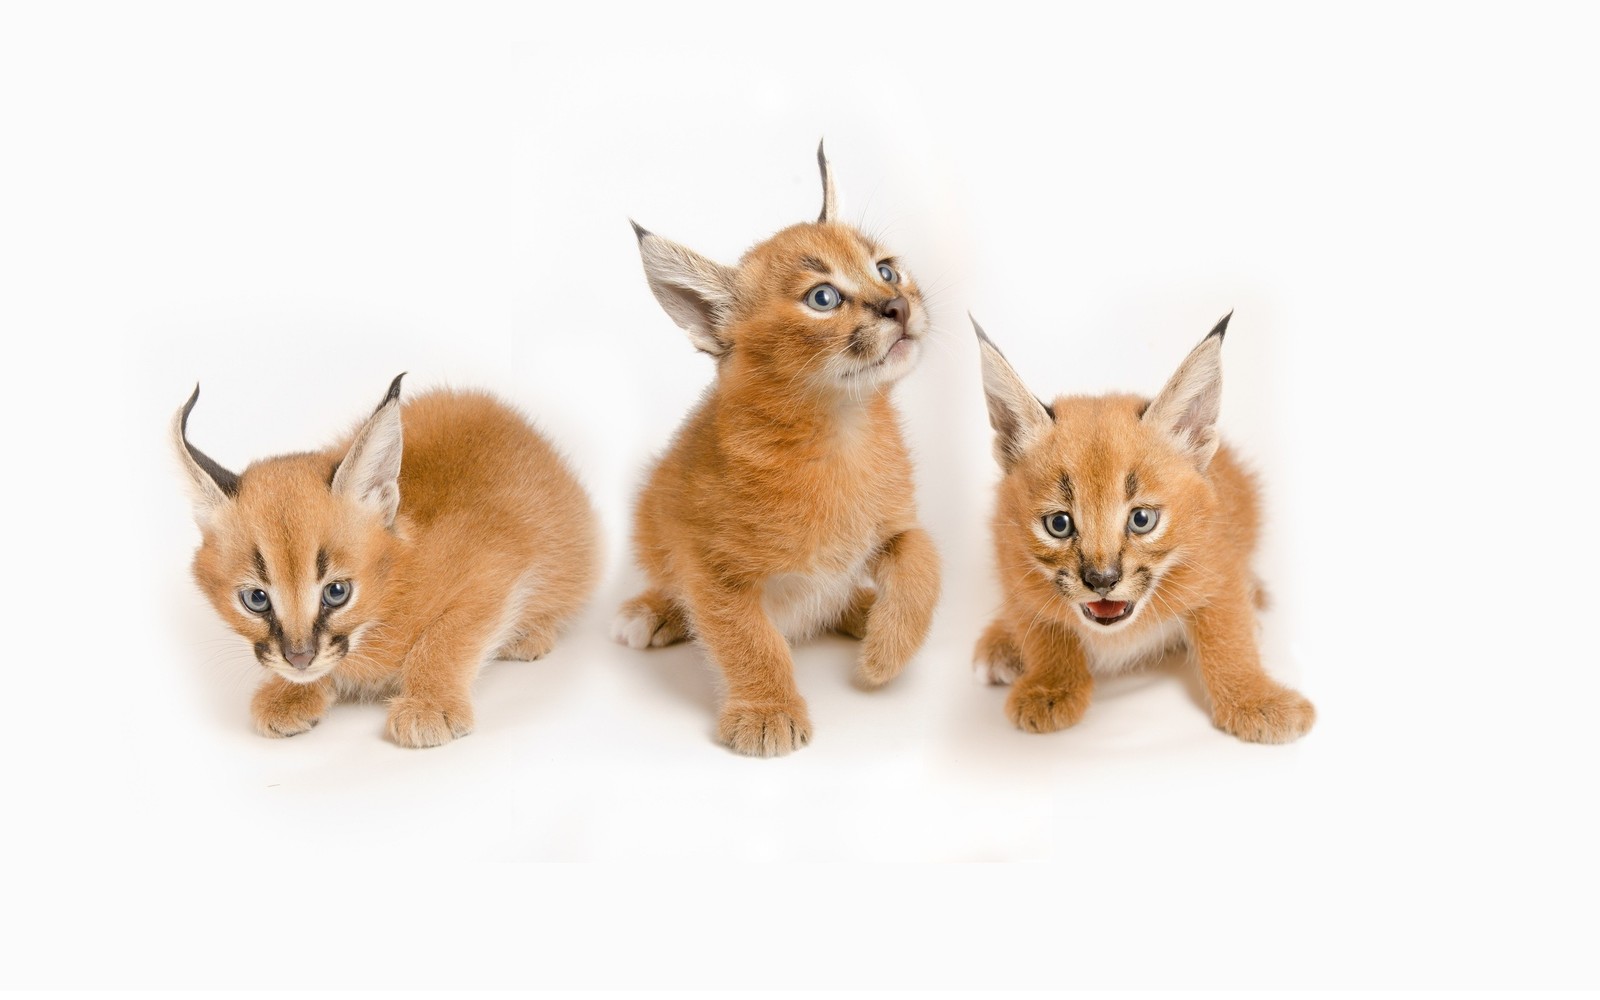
(292, 203)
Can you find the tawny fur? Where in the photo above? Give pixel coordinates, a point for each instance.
(493, 546)
(1189, 581)
(784, 505)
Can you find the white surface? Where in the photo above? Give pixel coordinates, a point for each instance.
(292, 204)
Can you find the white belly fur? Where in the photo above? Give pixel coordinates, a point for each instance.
(803, 604)
(1120, 651)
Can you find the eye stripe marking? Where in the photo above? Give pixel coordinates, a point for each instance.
(1131, 484)
(322, 563)
(261, 566)
(1066, 490)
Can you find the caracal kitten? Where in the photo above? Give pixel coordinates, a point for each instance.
(784, 506)
(1124, 528)
(394, 564)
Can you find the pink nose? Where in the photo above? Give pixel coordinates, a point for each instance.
(299, 660)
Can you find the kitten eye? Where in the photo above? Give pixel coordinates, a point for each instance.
(1059, 524)
(336, 594)
(888, 274)
(824, 298)
(255, 600)
(1143, 520)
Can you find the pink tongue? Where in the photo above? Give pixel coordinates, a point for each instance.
(1106, 609)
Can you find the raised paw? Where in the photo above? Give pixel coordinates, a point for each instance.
(414, 722)
(996, 659)
(1035, 709)
(1278, 715)
(283, 709)
(764, 731)
(649, 621)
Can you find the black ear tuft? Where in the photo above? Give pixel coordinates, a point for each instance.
(639, 232)
(1221, 329)
(226, 481)
(828, 199)
(393, 393)
(983, 336)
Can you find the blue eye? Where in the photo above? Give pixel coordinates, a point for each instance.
(888, 274)
(1143, 520)
(336, 593)
(824, 298)
(1059, 524)
(255, 600)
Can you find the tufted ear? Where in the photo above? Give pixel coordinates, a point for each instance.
(829, 203)
(1017, 416)
(210, 485)
(1186, 409)
(369, 473)
(698, 293)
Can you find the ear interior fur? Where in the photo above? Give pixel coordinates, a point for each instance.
(1017, 416)
(369, 473)
(829, 203)
(210, 485)
(698, 293)
(1187, 407)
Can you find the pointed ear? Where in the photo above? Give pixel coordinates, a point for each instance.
(1017, 416)
(369, 473)
(1186, 409)
(210, 485)
(696, 292)
(829, 204)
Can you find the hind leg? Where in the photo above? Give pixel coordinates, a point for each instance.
(535, 636)
(853, 622)
(651, 619)
(997, 660)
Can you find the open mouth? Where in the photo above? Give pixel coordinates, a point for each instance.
(904, 338)
(1107, 612)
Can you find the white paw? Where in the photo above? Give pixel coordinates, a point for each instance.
(985, 672)
(633, 629)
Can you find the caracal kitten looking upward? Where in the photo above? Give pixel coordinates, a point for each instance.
(784, 506)
(1124, 528)
(441, 534)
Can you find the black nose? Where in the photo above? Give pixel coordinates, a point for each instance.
(896, 309)
(1102, 580)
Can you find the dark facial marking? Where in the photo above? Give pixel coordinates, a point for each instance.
(322, 563)
(858, 345)
(1131, 484)
(341, 643)
(1066, 491)
(261, 566)
(813, 264)
(262, 648)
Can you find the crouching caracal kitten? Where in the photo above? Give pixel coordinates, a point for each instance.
(784, 505)
(441, 534)
(1124, 528)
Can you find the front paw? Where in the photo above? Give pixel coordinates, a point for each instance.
(1278, 715)
(1035, 709)
(283, 709)
(764, 730)
(415, 722)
